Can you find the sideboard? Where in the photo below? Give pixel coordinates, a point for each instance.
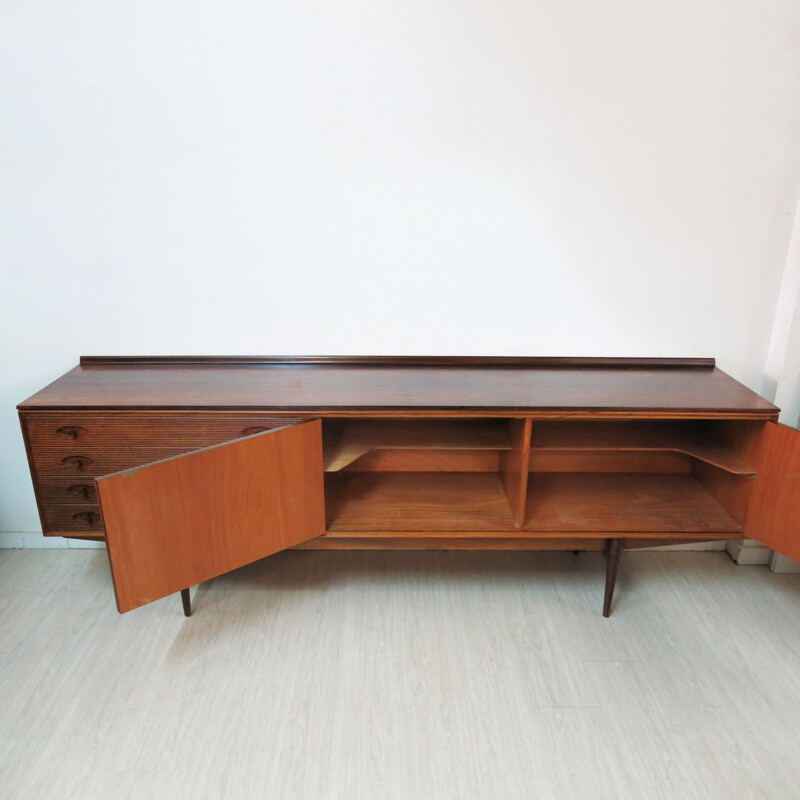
(190, 467)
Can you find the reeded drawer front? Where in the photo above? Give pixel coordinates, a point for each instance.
(66, 431)
(85, 445)
(69, 450)
(90, 462)
(72, 491)
(84, 518)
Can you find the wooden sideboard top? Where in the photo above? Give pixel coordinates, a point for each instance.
(465, 385)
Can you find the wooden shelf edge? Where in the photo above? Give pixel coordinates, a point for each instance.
(719, 457)
(635, 437)
(337, 459)
(435, 540)
(450, 543)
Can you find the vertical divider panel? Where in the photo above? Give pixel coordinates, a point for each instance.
(514, 468)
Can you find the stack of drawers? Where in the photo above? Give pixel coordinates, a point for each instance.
(68, 450)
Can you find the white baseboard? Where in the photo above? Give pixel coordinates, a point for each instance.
(33, 540)
(746, 552)
(781, 565)
(690, 546)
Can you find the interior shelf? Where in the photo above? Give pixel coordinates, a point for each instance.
(651, 495)
(623, 502)
(416, 501)
(637, 436)
(345, 441)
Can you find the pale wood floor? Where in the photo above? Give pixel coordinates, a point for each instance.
(403, 675)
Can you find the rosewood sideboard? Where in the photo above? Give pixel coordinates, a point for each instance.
(190, 467)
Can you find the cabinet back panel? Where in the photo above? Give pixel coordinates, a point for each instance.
(607, 461)
(426, 461)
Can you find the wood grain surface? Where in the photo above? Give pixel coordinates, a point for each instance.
(345, 441)
(498, 540)
(635, 502)
(456, 388)
(773, 516)
(425, 501)
(68, 450)
(732, 491)
(609, 461)
(514, 469)
(427, 461)
(185, 520)
(693, 439)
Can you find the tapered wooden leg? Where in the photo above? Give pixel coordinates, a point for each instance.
(187, 603)
(612, 564)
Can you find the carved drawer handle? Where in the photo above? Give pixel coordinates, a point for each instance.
(79, 462)
(72, 432)
(87, 517)
(253, 431)
(81, 490)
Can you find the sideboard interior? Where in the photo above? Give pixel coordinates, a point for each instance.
(580, 476)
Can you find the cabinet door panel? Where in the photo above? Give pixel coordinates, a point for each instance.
(773, 515)
(185, 520)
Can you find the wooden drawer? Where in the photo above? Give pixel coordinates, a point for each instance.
(85, 518)
(87, 463)
(70, 449)
(66, 430)
(69, 491)
(83, 445)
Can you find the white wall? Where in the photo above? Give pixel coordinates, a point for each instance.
(782, 367)
(457, 177)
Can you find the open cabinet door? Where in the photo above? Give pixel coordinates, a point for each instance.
(773, 516)
(181, 521)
